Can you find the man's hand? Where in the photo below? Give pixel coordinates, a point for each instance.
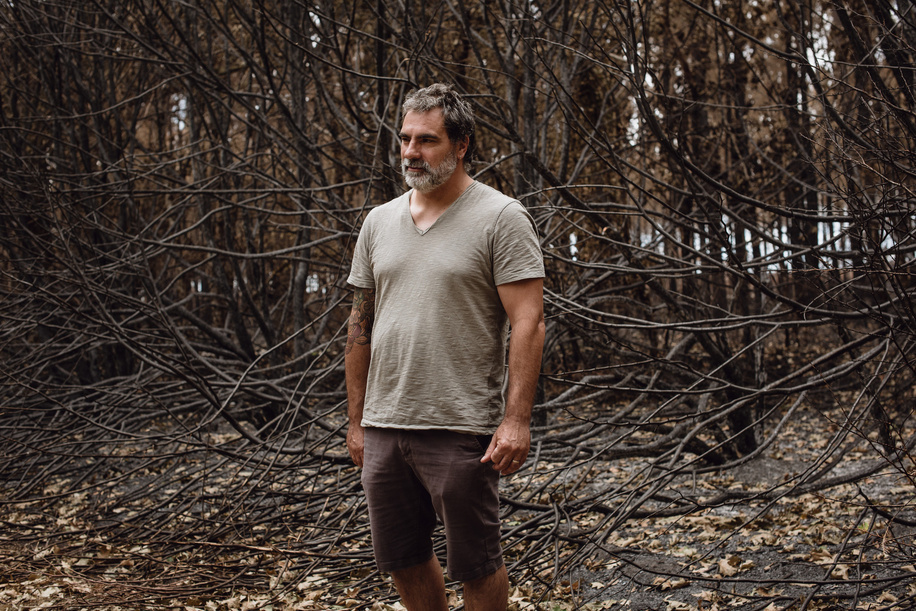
(355, 443)
(509, 447)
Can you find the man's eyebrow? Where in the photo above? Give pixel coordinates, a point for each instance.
(425, 136)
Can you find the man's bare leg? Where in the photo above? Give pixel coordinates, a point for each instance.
(422, 587)
(490, 593)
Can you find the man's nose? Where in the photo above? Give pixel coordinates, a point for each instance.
(410, 150)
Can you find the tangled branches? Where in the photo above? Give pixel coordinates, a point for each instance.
(726, 216)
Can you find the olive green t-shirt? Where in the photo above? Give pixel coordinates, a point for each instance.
(438, 350)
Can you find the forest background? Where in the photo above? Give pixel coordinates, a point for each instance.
(724, 197)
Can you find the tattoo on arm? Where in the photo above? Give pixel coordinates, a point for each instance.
(359, 330)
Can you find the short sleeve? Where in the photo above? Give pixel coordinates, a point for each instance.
(516, 249)
(361, 270)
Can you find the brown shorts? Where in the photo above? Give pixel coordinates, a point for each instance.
(410, 477)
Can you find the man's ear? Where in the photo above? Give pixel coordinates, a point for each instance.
(463, 146)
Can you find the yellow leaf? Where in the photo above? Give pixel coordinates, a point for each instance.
(820, 557)
(672, 584)
(728, 566)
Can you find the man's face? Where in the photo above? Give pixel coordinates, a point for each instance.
(428, 157)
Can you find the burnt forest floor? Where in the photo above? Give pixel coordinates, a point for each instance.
(848, 546)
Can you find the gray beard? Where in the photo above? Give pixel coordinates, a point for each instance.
(432, 177)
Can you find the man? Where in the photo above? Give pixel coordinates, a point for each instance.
(439, 273)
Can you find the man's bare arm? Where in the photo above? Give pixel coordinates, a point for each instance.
(356, 359)
(524, 304)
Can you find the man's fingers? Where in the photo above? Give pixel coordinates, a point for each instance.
(488, 455)
(504, 456)
(505, 464)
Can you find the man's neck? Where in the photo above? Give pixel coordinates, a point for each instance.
(425, 208)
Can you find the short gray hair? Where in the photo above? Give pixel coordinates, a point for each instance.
(457, 113)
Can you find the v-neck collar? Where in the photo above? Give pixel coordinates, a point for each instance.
(446, 212)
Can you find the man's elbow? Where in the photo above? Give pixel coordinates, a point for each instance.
(532, 327)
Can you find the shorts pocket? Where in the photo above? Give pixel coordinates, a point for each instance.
(484, 441)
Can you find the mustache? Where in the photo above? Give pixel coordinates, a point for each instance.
(422, 165)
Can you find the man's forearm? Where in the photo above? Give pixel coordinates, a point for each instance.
(510, 444)
(525, 347)
(357, 370)
(356, 365)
